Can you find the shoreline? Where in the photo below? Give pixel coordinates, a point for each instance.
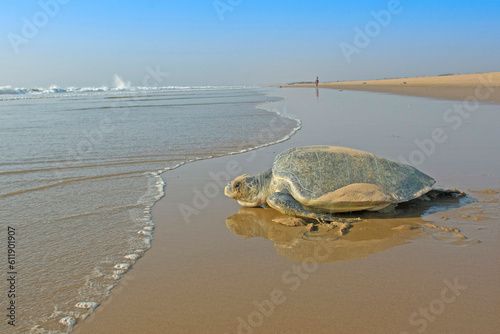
(484, 87)
(202, 276)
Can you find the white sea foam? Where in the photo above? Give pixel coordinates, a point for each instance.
(147, 242)
(34, 92)
(133, 257)
(68, 321)
(8, 90)
(147, 233)
(87, 305)
(122, 266)
(120, 87)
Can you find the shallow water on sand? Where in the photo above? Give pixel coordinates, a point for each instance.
(79, 173)
(232, 257)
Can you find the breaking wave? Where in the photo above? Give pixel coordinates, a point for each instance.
(120, 87)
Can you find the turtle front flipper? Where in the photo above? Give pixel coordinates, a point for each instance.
(285, 203)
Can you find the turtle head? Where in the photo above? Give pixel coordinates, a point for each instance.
(246, 190)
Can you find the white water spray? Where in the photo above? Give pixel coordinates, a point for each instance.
(120, 84)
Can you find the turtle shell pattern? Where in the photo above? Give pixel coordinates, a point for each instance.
(314, 171)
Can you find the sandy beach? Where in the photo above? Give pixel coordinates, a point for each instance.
(215, 267)
(448, 87)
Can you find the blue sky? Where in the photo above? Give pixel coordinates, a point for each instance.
(85, 43)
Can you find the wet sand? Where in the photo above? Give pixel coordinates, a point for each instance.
(483, 86)
(218, 268)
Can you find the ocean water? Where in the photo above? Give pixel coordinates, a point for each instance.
(80, 169)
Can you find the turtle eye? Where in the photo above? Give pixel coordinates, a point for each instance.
(237, 185)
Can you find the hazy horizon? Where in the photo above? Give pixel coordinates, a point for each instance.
(233, 42)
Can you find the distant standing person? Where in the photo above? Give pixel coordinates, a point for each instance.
(317, 81)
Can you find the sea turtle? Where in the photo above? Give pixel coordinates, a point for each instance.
(316, 181)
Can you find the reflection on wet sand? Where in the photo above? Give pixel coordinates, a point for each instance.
(374, 233)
